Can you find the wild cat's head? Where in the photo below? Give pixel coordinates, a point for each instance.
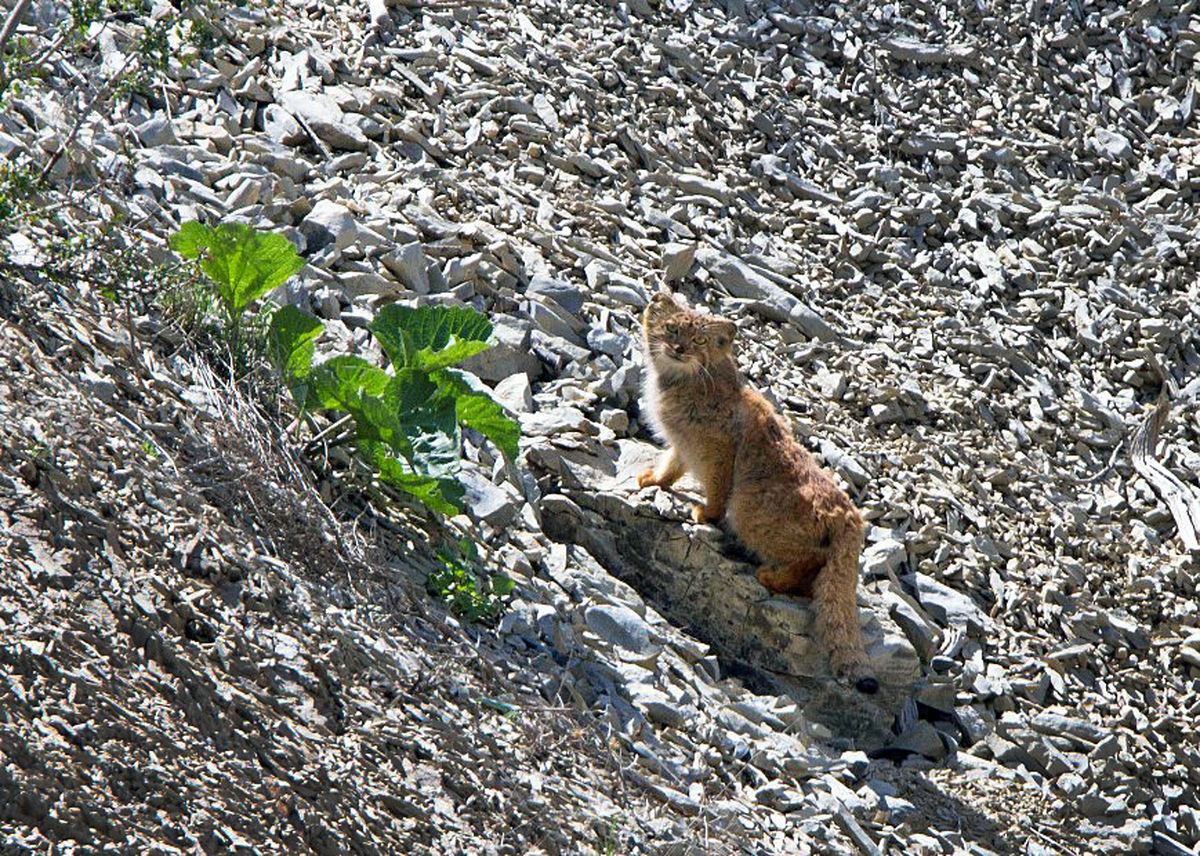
(680, 341)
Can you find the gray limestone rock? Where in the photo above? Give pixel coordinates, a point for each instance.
(326, 119)
(282, 127)
(157, 131)
(567, 295)
(511, 352)
(514, 393)
(949, 607)
(620, 626)
(1112, 145)
(743, 281)
(409, 265)
(329, 223)
(677, 260)
(496, 505)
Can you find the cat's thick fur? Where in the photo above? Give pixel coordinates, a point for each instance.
(775, 497)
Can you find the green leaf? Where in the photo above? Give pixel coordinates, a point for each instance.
(433, 438)
(430, 337)
(377, 419)
(191, 240)
(477, 410)
(243, 263)
(444, 496)
(452, 354)
(488, 418)
(468, 548)
(340, 383)
(292, 337)
(502, 585)
(410, 390)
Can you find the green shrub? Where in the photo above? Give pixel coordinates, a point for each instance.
(407, 423)
(18, 188)
(466, 590)
(241, 263)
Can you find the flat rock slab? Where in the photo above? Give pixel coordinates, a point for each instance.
(703, 581)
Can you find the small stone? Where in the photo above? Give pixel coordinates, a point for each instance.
(495, 505)
(510, 353)
(1111, 145)
(615, 420)
(515, 393)
(883, 558)
(921, 738)
(570, 297)
(555, 321)
(245, 194)
(624, 289)
(1049, 722)
(677, 260)
(845, 465)
(740, 280)
(974, 722)
(409, 265)
(1165, 845)
(1071, 784)
(623, 628)
(325, 118)
(282, 127)
(922, 636)
(831, 384)
(556, 420)
(613, 344)
(659, 708)
(694, 184)
(157, 131)
(949, 607)
(328, 223)
(887, 412)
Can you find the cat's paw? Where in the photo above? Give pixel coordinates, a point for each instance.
(700, 514)
(646, 477)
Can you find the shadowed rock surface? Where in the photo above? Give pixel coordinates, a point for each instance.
(703, 583)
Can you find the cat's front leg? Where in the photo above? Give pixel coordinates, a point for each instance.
(718, 480)
(670, 468)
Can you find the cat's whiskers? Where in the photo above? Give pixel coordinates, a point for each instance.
(707, 375)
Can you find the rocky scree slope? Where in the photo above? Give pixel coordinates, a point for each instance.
(200, 658)
(961, 246)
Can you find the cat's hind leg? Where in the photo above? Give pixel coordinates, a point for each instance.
(794, 577)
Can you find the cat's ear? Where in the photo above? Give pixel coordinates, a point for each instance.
(663, 303)
(723, 332)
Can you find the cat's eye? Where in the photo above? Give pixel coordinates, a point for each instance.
(700, 340)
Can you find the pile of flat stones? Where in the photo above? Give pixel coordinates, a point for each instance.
(960, 244)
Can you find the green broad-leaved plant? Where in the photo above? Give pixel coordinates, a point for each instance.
(407, 423)
(291, 342)
(430, 337)
(241, 263)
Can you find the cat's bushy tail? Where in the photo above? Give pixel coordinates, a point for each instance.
(835, 594)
